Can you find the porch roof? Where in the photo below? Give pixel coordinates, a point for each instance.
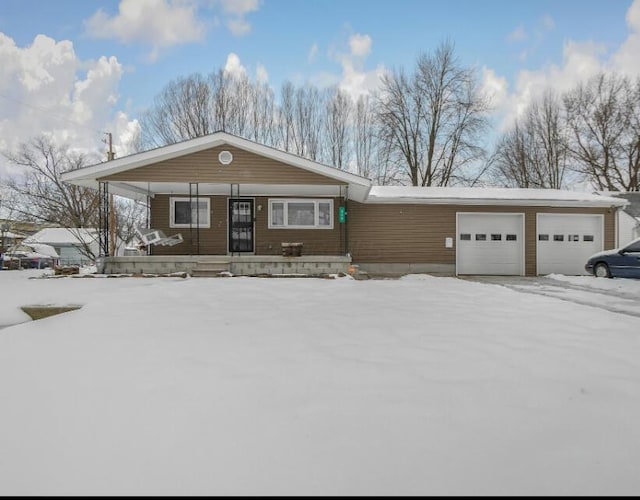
(89, 176)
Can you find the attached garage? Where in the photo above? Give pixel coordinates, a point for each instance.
(490, 243)
(566, 241)
(479, 231)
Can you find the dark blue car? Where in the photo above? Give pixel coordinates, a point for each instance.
(620, 263)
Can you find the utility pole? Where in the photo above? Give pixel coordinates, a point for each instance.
(110, 154)
(112, 212)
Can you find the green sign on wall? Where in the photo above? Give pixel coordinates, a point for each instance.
(342, 215)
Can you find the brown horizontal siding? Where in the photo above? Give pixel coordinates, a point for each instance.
(213, 241)
(203, 166)
(381, 233)
(315, 241)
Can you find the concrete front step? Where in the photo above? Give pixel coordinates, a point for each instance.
(212, 273)
(211, 269)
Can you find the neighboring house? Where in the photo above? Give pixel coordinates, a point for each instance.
(23, 228)
(628, 217)
(75, 246)
(234, 198)
(9, 238)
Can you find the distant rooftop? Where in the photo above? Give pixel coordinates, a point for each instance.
(64, 236)
(633, 208)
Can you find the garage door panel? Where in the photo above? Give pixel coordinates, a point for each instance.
(490, 244)
(566, 241)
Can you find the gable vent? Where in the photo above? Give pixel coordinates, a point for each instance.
(225, 157)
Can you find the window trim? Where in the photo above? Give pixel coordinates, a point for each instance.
(315, 201)
(172, 212)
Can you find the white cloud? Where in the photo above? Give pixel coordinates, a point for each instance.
(626, 59)
(517, 35)
(233, 66)
(360, 45)
(494, 87)
(48, 90)
(580, 61)
(238, 27)
(166, 23)
(313, 51)
(355, 80)
(235, 12)
(239, 7)
(158, 23)
(548, 23)
(358, 82)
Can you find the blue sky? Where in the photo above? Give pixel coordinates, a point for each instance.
(99, 64)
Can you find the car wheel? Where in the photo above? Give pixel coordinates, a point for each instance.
(601, 270)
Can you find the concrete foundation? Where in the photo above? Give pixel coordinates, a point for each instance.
(246, 265)
(391, 269)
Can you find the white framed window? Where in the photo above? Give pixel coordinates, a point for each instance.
(300, 214)
(185, 212)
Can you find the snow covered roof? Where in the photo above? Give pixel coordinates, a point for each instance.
(9, 234)
(37, 249)
(64, 236)
(489, 196)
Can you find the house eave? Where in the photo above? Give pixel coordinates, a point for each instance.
(140, 191)
(494, 202)
(138, 160)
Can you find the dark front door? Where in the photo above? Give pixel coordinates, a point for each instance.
(240, 225)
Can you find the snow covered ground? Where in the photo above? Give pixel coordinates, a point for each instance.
(614, 295)
(617, 284)
(421, 385)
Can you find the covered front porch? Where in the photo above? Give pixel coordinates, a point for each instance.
(223, 202)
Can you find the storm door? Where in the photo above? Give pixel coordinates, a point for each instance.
(240, 225)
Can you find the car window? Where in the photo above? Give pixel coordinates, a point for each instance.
(634, 247)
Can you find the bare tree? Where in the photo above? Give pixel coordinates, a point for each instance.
(550, 135)
(511, 162)
(400, 112)
(435, 117)
(364, 138)
(36, 193)
(603, 116)
(426, 125)
(286, 117)
(337, 127)
(263, 115)
(239, 91)
(181, 111)
(533, 154)
(372, 153)
(220, 100)
(307, 124)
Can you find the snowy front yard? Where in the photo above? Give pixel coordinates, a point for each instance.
(283, 386)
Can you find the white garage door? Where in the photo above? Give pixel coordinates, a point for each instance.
(490, 244)
(566, 241)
